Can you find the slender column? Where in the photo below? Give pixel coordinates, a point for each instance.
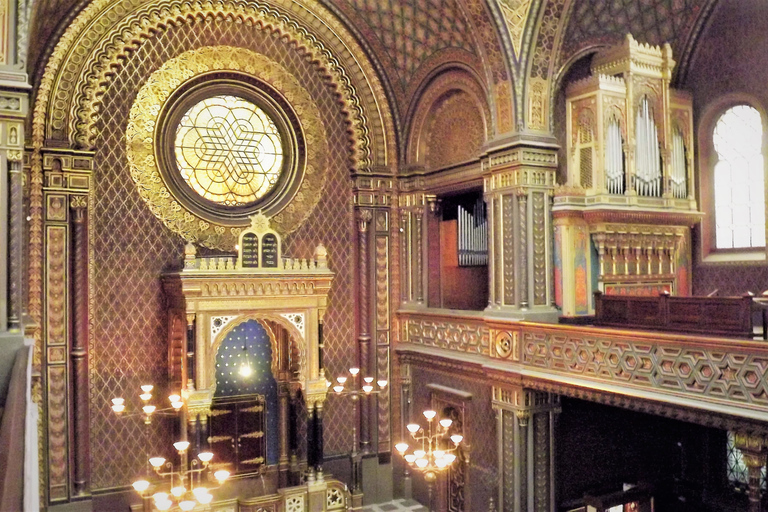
(405, 257)
(522, 459)
(311, 452)
(319, 450)
(15, 240)
(285, 412)
(522, 244)
(79, 346)
(293, 440)
(418, 245)
(364, 337)
(191, 382)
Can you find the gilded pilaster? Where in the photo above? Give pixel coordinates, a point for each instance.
(526, 451)
(364, 338)
(518, 183)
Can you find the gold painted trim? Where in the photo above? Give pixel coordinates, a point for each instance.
(141, 148)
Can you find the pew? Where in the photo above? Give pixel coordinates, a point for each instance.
(725, 316)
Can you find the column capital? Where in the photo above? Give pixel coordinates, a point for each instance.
(364, 217)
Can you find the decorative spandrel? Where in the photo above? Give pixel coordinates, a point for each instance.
(228, 150)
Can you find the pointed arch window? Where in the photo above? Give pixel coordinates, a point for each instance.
(739, 177)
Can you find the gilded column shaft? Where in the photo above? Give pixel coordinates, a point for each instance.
(522, 245)
(364, 337)
(15, 244)
(79, 347)
(418, 255)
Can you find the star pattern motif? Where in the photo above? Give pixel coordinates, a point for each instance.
(228, 150)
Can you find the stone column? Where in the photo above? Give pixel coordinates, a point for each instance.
(79, 345)
(525, 449)
(754, 450)
(284, 461)
(364, 336)
(519, 181)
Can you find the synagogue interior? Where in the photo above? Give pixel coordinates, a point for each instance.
(377, 255)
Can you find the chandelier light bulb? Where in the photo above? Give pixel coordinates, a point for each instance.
(205, 456)
(187, 505)
(419, 454)
(245, 370)
(148, 409)
(118, 408)
(199, 491)
(401, 447)
(163, 505)
(328, 383)
(178, 491)
(181, 446)
(430, 414)
(449, 458)
(382, 383)
(439, 454)
(422, 463)
(441, 463)
(410, 458)
(446, 422)
(341, 380)
(177, 405)
(160, 496)
(174, 398)
(456, 438)
(118, 401)
(338, 389)
(205, 498)
(145, 396)
(354, 371)
(157, 462)
(367, 389)
(147, 388)
(141, 485)
(221, 475)
(413, 427)
(368, 380)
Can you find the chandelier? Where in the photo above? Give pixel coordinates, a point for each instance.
(354, 389)
(184, 484)
(433, 450)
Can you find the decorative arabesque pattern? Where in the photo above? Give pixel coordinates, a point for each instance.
(228, 150)
(411, 31)
(130, 248)
(651, 21)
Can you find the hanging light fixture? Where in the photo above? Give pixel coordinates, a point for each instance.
(245, 367)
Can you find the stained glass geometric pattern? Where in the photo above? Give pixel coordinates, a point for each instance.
(739, 179)
(228, 150)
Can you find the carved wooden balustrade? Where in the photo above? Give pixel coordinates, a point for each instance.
(709, 380)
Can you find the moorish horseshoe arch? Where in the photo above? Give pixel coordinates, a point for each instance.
(297, 341)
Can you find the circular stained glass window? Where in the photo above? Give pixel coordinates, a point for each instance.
(228, 150)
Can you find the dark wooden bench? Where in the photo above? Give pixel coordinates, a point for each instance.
(726, 316)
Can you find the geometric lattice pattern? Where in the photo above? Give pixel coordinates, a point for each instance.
(228, 150)
(132, 248)
(412, 30)
(649, 21)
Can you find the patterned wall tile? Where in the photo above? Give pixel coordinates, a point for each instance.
(131, 249)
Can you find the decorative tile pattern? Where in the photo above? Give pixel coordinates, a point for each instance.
(131, 248)
(412, 31)
(649, 21)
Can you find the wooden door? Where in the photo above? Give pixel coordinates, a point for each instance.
(238, 433)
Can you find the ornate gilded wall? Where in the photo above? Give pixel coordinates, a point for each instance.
(131, 247)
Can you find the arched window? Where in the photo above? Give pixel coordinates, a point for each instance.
(739, 179)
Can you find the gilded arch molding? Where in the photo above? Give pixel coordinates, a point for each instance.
(297, 342)
(80, 65)
(444, 83)
(141, 151)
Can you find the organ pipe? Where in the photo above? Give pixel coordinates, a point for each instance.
(648, 164)
(473, 235)
(678, 174)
